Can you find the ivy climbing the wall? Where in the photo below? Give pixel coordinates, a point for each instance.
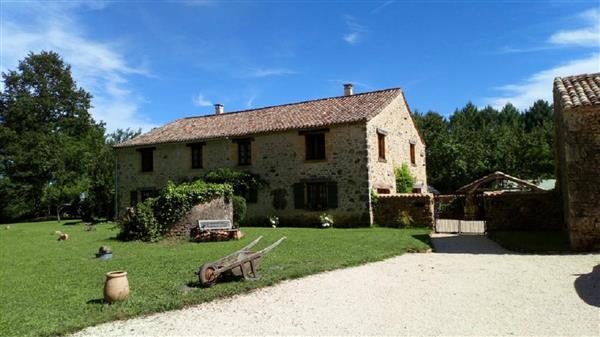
(153, 217)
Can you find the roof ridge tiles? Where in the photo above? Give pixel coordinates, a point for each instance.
(293, 103)
(299, 115)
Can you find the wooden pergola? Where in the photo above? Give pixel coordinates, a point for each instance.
(501, 180)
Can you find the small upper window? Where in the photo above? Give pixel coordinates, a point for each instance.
(315, 146)
(196, 155)
(381, 145)
(147, 157)
(244, 152)
(413, 159)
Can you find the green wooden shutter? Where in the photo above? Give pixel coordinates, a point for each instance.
(332, 195)
(299, 195)
(253, 195)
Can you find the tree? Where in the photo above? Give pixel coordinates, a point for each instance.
(120, 135)
(474, 142)
(404, 180)
(50, 143)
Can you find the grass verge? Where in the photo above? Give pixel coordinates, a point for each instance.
(532, 242)
(50, 287)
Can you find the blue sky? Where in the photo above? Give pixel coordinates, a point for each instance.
(150, 62)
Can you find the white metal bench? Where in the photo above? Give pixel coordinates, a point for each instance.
(214, 225)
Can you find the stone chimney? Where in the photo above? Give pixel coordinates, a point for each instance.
(218, 109)
(347, 89)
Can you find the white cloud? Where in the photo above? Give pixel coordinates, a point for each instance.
(356, 31)
(97, 66)
(266, 72)
(587, 36)
(539, 85)
(250, 102)
(378, 9)
(199, 100)
(352, 38)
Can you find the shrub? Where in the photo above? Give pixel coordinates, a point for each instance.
(150, 219)
(404, 180)
(139, 223)
(404, 219)
(243, 183)
(374, 198)
(239, 209)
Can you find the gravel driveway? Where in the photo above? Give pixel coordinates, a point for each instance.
(470, 286)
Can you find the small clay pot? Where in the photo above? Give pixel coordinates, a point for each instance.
(116, 287)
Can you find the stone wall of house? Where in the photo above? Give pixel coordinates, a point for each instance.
(523, 211)
(279, 158)
(578, 152)
(400, 132)
(394, 210)
(217, 209)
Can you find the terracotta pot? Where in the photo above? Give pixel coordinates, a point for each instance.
(116, 287)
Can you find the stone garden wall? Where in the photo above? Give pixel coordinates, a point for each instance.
(523, 211)
(401, 210)
(217, 209)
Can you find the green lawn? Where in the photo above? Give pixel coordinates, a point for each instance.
(532, 242)
(50, 287)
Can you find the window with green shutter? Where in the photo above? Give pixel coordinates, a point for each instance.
(316, 196)
(332, 195)
(299, 196)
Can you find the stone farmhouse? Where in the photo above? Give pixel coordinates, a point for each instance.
(577, 114)
(323, 155)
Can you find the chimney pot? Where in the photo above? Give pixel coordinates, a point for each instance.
(347, 89)
(218, 109)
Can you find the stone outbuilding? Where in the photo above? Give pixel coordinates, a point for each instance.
(577, 117)
(323, 155)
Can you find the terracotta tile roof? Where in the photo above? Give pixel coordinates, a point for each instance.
(579, 90)
(308, 114)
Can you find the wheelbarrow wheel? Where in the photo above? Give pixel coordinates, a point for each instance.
(208, 274)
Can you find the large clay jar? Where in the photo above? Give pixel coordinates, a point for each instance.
(116, 287)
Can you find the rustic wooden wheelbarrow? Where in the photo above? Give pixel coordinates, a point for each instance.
(243, 263)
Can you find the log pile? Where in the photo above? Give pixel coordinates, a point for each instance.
(215, 235)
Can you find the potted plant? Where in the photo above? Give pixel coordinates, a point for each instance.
(104, 253)
(274, 220)
(326, 220)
